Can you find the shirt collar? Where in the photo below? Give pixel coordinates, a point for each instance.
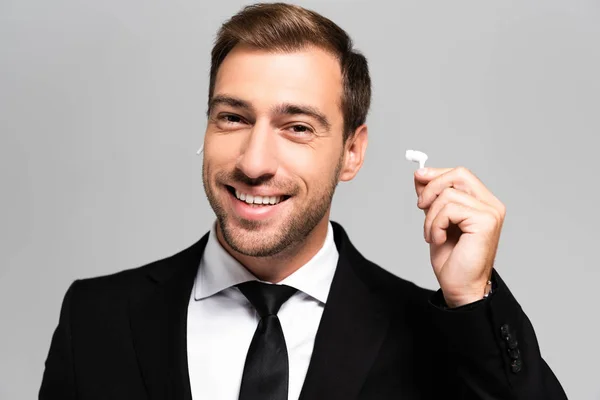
(219, 270)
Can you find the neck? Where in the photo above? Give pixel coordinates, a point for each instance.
(287, 261)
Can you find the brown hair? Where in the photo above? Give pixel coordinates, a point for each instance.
(285, 28)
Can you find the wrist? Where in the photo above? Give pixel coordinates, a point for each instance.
(462, 299)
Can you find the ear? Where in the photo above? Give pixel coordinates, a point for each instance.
(354, 153)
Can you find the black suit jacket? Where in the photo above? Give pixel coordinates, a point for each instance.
(123, 336)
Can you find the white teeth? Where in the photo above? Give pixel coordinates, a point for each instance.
(240, 195)
(250, 199)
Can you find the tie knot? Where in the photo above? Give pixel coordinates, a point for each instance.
(266, 298)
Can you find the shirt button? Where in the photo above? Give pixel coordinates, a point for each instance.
(504, 330)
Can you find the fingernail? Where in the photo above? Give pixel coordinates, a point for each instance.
(422, 171)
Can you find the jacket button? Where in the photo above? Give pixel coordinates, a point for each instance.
(516, 365)
(504, 330)
(514, 353)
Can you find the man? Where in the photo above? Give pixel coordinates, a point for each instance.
(275, 302)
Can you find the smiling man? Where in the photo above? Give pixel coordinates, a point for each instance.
(274, 302)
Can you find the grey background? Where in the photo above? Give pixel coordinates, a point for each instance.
(102, 109)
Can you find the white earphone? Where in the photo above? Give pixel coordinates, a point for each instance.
(200, 150)
(416, 156)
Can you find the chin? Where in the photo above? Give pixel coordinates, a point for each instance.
(254, 243)
(255, 238)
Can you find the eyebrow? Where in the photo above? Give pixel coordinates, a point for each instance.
(297, 109)
(229, 101)
(285, 108)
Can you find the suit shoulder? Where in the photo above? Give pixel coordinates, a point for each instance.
(137, 277)
(391, 286)
(120, 279)
(380, 282)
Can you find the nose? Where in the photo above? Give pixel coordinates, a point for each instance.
(258, 156)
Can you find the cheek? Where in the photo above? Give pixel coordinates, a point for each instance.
(315, 167)
(220, 151)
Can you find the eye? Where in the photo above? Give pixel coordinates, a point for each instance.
(230, 118)
(226, 121)
(301, 129)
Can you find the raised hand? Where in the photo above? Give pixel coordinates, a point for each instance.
(462, 226)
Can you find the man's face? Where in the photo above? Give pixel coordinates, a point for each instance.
(274, 135)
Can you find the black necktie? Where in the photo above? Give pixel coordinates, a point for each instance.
(266, 372)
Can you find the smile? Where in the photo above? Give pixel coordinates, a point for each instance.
(259, 200)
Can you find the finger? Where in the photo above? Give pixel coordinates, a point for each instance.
(468, 220)
(424, 175)
(451, 213)
(461, 179)
(449, 195)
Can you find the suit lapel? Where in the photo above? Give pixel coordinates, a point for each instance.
(158, 317)
(352, 329)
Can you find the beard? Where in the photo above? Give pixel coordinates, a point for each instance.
(246, 237)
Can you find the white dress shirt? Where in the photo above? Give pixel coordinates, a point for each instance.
(221, 321)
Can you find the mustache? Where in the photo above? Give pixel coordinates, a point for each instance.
(265, 181)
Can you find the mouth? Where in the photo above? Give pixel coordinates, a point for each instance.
(255, 207)
(256, 201)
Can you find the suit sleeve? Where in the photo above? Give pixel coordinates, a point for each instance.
(493, 349)
(58, 381)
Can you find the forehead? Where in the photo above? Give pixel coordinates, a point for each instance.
(310, 76)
